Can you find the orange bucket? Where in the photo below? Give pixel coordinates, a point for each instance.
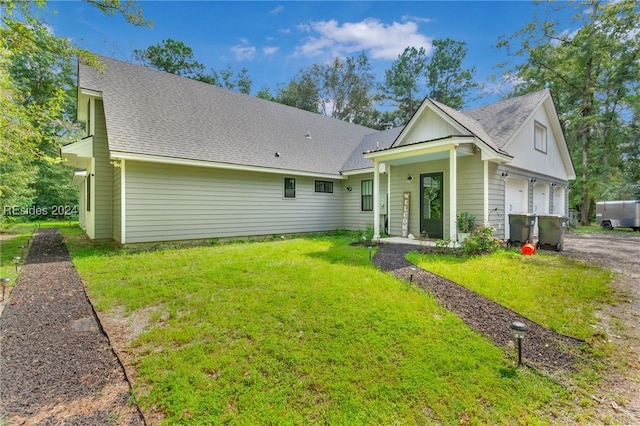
(528, 249)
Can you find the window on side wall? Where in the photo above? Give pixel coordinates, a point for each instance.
(289, 188)
(540, 137)
(324, 186)
(88, 196)
(366, 191)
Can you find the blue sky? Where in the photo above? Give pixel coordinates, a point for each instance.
(273, 40)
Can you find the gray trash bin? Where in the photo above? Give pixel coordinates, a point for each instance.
(551, 231)
(521, 228)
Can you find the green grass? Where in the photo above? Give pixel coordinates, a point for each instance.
(10, 247)
(559, 293)
(305, 331)
(593, 228)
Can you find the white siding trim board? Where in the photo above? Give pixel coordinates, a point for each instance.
(215, 165)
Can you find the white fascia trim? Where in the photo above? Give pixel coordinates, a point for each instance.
(82, 148)
(358, 172)
(405, 151)
(89, 92)
(116, 155)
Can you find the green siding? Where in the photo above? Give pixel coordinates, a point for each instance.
(171, 202)
(471, 186)
(103, 178)
(354, 218)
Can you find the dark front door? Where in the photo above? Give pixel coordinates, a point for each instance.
(431, 205)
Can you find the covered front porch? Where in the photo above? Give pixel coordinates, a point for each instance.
(428, 183)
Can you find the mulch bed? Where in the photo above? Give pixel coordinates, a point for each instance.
(542, 348)
(57, 366)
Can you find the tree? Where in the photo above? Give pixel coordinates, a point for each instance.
(177, 58)
(593, 73)
(47, 79)
(402, 86)
(36, 107)
(170, 56)
(300, 92)
(344, 88)
(340, 89)
(447, 82)
(413, 76)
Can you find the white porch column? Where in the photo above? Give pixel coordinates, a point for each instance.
(376, 199)
(453, 195)
(388, 167)
(485, 180)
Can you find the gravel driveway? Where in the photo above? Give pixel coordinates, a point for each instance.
(619, 252)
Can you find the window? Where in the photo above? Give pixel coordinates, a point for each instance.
(324, 186)
(289, 188)
(540, 137)
(366, 191)
(88, 200)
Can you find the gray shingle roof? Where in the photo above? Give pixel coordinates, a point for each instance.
(501, 120)
(371, 142)
(156, 113)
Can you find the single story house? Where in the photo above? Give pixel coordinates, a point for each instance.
(170, 158)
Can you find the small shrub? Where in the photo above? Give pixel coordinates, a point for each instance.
(466, 222)
(368, 234)
(481, 241)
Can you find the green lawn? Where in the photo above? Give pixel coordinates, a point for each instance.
(14, 243)
(306, 331)
(559, 293)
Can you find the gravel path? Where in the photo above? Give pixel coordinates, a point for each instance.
(542, 348)
(56, 364)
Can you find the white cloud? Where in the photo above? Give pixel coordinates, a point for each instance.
(270, 50)
(243, 52)
(276, 10)
(506, 84)
(414, 18)
(382, 41)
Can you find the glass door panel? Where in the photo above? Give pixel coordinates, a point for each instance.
(431, 205)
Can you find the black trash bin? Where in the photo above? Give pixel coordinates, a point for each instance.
(551, 231)
(521, 228)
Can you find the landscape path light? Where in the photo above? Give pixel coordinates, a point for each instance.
(21, 250)
(413, 271)
(519, 330)
(5, 282)
(16, 261)
(370, 250)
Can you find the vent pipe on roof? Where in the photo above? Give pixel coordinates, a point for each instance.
(308, 135)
